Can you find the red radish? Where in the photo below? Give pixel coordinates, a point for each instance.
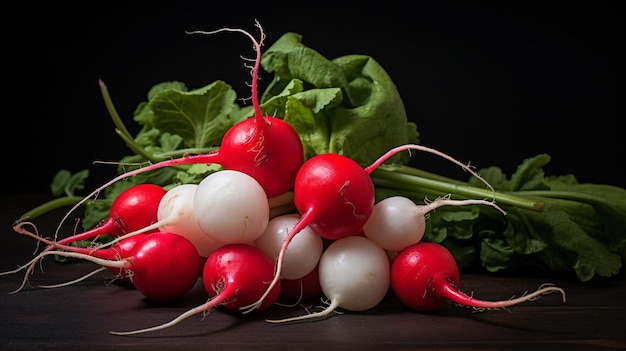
(335, 197)
(264, 147)
(397, 222)
(354, 275)
(120, 250)
(233, 276)
(424, 276)
(163, 266)
(303, 288)
(134, 208)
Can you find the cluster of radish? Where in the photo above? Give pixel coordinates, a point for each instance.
(338, 244)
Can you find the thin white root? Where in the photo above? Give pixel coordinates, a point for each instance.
(77, 280)
(446, 201)
(409, 147)
(30, 265)
(542, 290)
(321, 314)
(204, 308)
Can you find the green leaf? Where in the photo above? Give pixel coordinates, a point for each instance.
(530, 175)
(66, 183)
(495, 254)
(201, 117)
(362, 123)
(196, 173)
(580, 252)
(303, 113)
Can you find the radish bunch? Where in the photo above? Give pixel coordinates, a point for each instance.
(335, 197)
(330, 237)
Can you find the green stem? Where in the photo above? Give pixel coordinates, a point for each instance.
(396, 180)
(182, 152)
(51, 206)
(113, 112)
(121, 129)
(136, 148)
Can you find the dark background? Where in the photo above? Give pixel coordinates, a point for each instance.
(489, 83)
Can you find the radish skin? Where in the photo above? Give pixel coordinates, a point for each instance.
(354, 274)
(303, 253)
(162, 266)
(397, 222)
(132, 209)
(176, 215)
(231, 207)
(425, 276)
(303, 288)
(233, 276)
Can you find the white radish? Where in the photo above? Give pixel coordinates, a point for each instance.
(397, 222)
(304, 251)
(354, 274)
(175, 214)
(231, 207)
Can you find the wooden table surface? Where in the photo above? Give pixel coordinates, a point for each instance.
(80, 316)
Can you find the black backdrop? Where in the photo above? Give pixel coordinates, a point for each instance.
(487, 82)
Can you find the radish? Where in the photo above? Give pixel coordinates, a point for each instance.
(425, 275)
(397, 222)
(133, 209)
(335, 197)
(302, 288)
(303, 253)
(162, 266)
(233, 276)
(258, 146)
(176, 215)
(354, 274)
(231, 207)
(226, 207)
(120, 250)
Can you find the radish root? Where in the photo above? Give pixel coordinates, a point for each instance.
(330, 308)
(542, 290)
(204, 308)
(77, 280)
